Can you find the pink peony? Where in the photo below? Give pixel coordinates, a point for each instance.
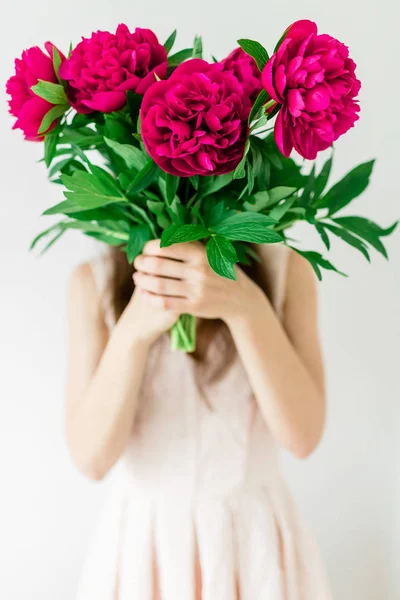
(24, 104)
(101, 69)
(314, 79)
(195, 123)
(244, 67)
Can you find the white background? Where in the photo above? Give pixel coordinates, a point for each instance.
(347, 489)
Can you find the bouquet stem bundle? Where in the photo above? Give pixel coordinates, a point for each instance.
(195, 150)
(183, 334)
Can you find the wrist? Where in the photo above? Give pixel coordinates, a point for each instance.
(248, 309)
(132, 334)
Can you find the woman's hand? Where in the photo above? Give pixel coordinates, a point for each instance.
(178, 279)
(147, 322)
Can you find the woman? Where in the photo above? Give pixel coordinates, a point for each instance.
(198, 509)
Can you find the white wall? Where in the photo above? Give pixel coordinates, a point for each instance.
(346, 490)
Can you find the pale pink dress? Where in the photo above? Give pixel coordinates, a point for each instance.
(201, 485)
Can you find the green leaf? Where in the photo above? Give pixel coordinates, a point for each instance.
(256, 50)
(144, 178)
(88, 191)
(323, 235)
(280, 192)
(103, 214)
(158, 209)
(197, 47)
(261, 99)
(250, 178)
(248, 227)
(53, 114)
(132, 156)
(257, 202)
(118, 129)
(84, 137)
(176, 211)
(172, 184)
(351, 186)
(210, 185)
(50, 147)
(80, 121)
(240, 171)
(178, 58)
(141, 215)
(65, 207)
(195, 181)
(43, 234)
(183, 233)
(118, 236)
(349, 238)
(170, 41)
(307, 197)
(51, 92)
(56, 63)
(222, 256)
(216, 214)
(317, 262)
(281, 209)
(367, 230)
(139, 235)
(242, 255)
(322, 178)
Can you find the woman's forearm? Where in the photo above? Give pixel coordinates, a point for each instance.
(289, 399)
(99, 426)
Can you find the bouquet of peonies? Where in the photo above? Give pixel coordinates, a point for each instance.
(187, 148)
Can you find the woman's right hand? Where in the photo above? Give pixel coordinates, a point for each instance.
(147, 323)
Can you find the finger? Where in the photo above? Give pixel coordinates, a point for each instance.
(160, 285)
(171, 303)
(191, 252)
(163, 267)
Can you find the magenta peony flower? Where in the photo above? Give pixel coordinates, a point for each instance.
(314, 79)
(244, 67)
(195, 123)
(101, 69)
(24, 104)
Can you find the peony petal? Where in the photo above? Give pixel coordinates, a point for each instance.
(106, 101)
(317, 98)
(302, 28)
(31, 115)
(40, 65)
(280, 80)
(212, 121)
(193, 65)
(283, 134)
(267, 79)
(65, 71)
(295, 103)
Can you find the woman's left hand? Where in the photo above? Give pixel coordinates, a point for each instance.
(179, 279)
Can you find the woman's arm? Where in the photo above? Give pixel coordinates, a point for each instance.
(105, 373)
(283, 362)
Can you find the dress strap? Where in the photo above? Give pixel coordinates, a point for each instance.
(101, 271)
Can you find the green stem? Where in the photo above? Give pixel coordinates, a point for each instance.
(183, 334)
(191, 200)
